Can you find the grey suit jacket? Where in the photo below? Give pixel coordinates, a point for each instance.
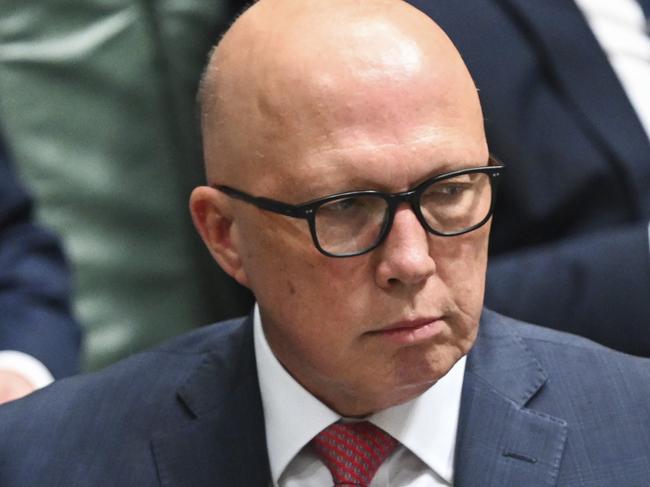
(539, 408)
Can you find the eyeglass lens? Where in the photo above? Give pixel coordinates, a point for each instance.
(350, 225)
(455, 204)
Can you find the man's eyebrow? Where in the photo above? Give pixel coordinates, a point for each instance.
(363, 183)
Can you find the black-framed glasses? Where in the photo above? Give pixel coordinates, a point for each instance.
(356, 222)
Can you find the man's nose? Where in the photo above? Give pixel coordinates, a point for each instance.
(404, 256)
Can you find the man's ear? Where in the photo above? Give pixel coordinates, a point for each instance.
(212, 217)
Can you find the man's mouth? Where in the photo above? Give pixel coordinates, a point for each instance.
(411, 331)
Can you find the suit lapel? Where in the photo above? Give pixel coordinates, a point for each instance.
(224, 441)
(583, 74)
(500, 442)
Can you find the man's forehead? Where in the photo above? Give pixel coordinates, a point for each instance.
(290, 83)
(291, 40)
(361, 165)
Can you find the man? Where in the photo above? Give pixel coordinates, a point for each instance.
(369, 295)
(564, 89)
(39, 338)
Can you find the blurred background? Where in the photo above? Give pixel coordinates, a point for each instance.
(97, 103)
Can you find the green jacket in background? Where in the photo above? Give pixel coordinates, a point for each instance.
(97, 98)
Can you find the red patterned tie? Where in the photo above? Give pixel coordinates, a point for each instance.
(353, 452)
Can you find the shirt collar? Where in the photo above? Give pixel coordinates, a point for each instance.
(425, 425)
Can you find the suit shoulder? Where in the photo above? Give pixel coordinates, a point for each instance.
(151, 374)
(565, 354)
(106, 420)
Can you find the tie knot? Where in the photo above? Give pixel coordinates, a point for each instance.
(353, 452)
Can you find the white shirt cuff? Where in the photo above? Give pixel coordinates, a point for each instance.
(27, 366)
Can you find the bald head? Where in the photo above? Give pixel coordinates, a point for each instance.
(291, 69)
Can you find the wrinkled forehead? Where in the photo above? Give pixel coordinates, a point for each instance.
(316, 83)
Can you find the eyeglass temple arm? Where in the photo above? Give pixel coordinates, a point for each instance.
(264, 203)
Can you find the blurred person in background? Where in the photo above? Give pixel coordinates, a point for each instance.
(565, 91)
(99, 107)
(39, 338)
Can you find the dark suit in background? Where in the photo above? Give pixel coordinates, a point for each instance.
(34, 284)
(570, 240)
(189, 414)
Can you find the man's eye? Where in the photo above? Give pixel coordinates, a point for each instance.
(346, 204)
(447, 190)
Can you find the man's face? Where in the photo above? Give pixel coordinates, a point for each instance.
(369, 99)
(367, 332)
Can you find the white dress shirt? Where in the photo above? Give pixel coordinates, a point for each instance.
(425, 427)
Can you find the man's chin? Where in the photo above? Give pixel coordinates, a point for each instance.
(400, 394)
